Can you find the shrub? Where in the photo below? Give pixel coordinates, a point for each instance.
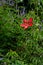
(27, 44)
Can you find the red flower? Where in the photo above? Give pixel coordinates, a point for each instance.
(27, 23)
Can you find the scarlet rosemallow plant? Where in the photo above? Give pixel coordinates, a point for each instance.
(27, 23)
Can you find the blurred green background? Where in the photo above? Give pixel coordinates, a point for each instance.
(19, 46)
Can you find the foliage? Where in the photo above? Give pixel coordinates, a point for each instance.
(17, 45)
(11, 58)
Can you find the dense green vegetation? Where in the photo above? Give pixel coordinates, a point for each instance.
(19, 46)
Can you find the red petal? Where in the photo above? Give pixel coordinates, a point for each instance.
(30, 24)
(22, 25)
(24, 20)
(30, 20)
(26, 26)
